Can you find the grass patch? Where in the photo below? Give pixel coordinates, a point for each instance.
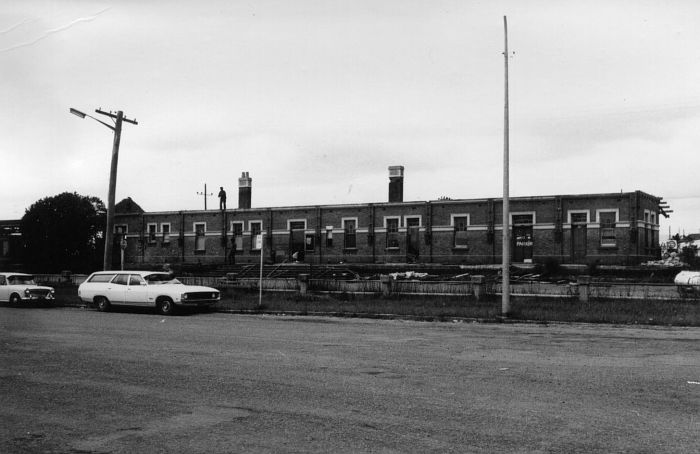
(444, 308)
(647, 312)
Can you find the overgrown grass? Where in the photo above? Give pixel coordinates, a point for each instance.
(446, 308)
(649, 312)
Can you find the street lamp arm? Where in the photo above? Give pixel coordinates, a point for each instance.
(80, 114)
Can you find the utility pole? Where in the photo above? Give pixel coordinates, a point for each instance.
(118, 118)
(205, 194)
(505, 290)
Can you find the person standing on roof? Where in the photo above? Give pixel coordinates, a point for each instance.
(222, 198)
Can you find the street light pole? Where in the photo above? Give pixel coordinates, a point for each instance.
(505, 287)
(118, 118)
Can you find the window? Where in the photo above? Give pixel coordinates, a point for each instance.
(460, 222)
(120, 229)
(121, 279)
(237, 231)
(350, 233)
(101, 278)
(152, 230)
(522, 219)
(607, 221)
(329, 236)
(2, 280)
(255, 231)
(297, 224)
(135, 279)
(165, 230)
(310, 242)
(392, 232)
(200, 230)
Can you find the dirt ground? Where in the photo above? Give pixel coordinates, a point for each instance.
(80, 381)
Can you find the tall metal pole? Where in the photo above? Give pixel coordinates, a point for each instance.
(505, 303)
(109, 228)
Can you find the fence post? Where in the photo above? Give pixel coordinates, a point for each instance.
(303, 280)
(479, 286)
(385, 280)
(584, 288)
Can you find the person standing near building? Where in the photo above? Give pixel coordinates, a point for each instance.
(222, 198)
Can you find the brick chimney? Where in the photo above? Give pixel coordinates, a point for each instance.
(245, 190)
(395, 184)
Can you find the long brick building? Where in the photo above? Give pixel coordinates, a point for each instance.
(613, 228)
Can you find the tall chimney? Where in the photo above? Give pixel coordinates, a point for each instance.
(245, 189)
(395, 184)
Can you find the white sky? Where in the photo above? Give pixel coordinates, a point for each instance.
(317, 98)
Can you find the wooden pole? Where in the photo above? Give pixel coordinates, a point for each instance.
(109, 228)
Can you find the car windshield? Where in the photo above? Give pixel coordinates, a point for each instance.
(21, 280)
(160, 279)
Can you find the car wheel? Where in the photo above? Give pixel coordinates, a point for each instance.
(166, 306)
(15, 299)
(102, 303)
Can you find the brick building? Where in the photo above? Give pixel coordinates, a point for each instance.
(615, 228)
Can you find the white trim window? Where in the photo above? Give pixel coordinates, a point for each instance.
(152, 231)
(607, 219)
(296, 224)
(460, 224)
(200, 232)
(392, 224)
(237, 233)
(349, 233)
(522, 218)
(255, 228)
(578, 216)
(165, 232)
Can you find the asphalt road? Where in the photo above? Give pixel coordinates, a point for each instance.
(81, 381)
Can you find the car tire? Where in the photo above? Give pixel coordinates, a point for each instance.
(15, 300)
(166, 306)
(102, 304)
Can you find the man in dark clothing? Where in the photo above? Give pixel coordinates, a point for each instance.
(222, 198)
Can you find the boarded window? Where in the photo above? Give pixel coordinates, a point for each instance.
(607, 229)
(460, 231)
(199, 238)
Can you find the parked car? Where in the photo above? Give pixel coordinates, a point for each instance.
(17, 288)
(144, 288)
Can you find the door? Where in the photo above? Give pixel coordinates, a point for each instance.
(297, 240)
(115, 291)
(522, 239)
(579, 233)
(4, 293)
(136, 293)
(578, 243)
(412, 239)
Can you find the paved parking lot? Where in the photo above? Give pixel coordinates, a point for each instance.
(80, 381)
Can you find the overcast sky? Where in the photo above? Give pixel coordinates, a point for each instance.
(315, 99)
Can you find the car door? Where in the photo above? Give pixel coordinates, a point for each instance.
(136, 293)
(116, 289)
(4, 289)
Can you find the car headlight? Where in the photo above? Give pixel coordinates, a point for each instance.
(52, 291)
(183, 297)
(27, 292)
(214, 295)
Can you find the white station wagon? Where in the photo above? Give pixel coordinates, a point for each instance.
(17, 288)
(143, 288)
